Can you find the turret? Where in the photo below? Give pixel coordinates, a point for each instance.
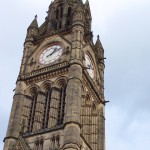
(88, 22)
(99, 49)
(78, 17)
(99, 54)
(32, 33)
(32, 30)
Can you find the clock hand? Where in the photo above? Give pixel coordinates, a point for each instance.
(90, 66)
(55, 50)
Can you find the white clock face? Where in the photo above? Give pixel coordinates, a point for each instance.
(89, 65)
(50, 54)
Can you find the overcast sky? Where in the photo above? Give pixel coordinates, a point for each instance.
(124, 28)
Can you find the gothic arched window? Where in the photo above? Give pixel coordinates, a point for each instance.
(32, 111)
(69, 12)
(61, 12)
(57, 13)
(59, 16)
(38, 144)
(59, 24)
(68, 22)
(61, 108)
(46, 108)
(68, 19)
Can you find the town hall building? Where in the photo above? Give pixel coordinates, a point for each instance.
(59, 96)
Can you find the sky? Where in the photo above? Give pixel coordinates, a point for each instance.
(124, 29)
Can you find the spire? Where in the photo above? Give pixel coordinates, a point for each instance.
(87, 7)
(78, 14)
(79, 7)
(32, 30)
(98, 44)
(81, 1)
(99, 51)
(87, 2)
(34, 23)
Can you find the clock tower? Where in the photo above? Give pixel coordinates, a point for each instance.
(59, 96)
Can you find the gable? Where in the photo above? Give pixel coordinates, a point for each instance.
(21, 144)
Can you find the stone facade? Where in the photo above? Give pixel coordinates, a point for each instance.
(59, 105)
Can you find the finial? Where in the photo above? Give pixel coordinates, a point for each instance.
(98, 43)
(36, 17)
(87, 2)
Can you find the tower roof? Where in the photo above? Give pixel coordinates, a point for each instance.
(79, 7)
(98, 43)
(87, 2)
(34, 23)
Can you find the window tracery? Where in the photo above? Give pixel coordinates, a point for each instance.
(61, 108)
(38, 144)
(32, 111)
(59, 16)
(68, 19)
(55, 142)
(46, 108)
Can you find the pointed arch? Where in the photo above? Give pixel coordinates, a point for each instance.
(68, 18)
(32, 93)
(28, 111)
(46, 91)
(59, 12)
(38, 143)
(31, 89)
(45, 85)
(60, 82)
(88, 99)
(69, 11)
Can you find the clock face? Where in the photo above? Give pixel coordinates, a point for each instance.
(89, 65)
(50, 54)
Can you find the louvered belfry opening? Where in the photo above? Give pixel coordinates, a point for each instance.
(59, 16)
(68, 23)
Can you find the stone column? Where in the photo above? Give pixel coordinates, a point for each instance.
(72, 113)
(101, 126)
(73, 94)
(14, 125)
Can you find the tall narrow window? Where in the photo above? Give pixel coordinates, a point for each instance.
(32, 112)
(46, 108)
(61, 109)
(61, 12)
(56, 25)
(68, 22)
(57, 13)
(69, 11)
(68, 19)
(38, 144)
(60, 25)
